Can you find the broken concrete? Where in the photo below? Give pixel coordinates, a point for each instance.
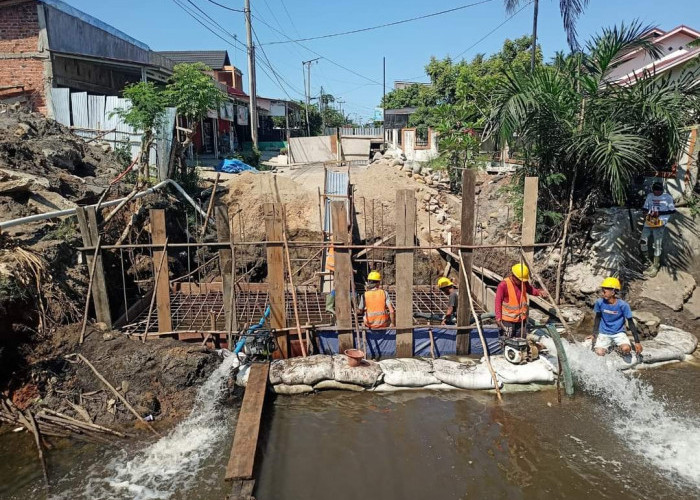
(670, 288)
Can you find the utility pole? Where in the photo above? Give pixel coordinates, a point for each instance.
(253, 100)
(534, 37)
(383, 92)
(307, 89)
(340, 104)
(320, 110)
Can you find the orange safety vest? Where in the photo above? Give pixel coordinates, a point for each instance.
(515, 308)
(376, 314)
(330, 260)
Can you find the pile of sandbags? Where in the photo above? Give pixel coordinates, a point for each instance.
(323, 372)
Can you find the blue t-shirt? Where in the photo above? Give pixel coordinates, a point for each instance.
(613, 316)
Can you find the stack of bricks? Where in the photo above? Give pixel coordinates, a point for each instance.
(21, 63)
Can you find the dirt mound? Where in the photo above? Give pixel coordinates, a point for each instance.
(44, 167)
(248, 192)
(159, 379)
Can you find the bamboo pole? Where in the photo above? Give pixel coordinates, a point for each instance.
(40, 449)
(478, 327)
(93, 267)
(117, 394)
(211, 204)
(155, 284)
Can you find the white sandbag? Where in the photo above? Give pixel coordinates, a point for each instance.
(472, 376)
(368, 374)
(408, 372)
(393, 388)
(669, 344)
(242, 376)
(334, 385)
(307, 371)
(538, 371)
(292, 389)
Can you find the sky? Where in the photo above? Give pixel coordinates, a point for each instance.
(350, 66)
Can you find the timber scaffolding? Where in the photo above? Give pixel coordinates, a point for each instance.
(192, 308)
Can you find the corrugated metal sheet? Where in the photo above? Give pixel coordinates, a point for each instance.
(96, 112)
(111, 122)
(337, 183)
(79, 110)
(61, 105)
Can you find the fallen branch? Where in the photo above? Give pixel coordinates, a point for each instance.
(40, 449)
(117, 394)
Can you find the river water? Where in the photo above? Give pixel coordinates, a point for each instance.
(623, 436)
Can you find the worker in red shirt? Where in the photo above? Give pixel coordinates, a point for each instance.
(511, 301)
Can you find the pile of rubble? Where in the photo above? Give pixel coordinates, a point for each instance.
(44, 167)
(421, 173)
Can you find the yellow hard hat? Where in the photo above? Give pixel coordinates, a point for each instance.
(374, 276)
(611, 283)
(443, 282)
(521, 272)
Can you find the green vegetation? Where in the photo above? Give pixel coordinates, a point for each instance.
(65, 230)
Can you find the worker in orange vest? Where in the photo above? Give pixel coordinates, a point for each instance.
(511, 304)
(330, 260)
(376, 305)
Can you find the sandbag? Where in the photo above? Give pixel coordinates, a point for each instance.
(669, 344)
(330, 385)
(474, 376)
(538, 371)
(368, 374)
(408, 372)
(292, 389)
(393, 388)
(242, 376)
(307, 371)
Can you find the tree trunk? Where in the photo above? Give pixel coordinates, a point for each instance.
(533, 55)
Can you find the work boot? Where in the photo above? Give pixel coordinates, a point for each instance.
(654, 268)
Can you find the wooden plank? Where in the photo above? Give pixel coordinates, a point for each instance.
(529, 217)
(466, 238)
(87, 220)
(405, 236)
(275, 273)
(384, 241)
(242, 489)
(223, 234)
(342, 275)
(245, 440)
(158, 236)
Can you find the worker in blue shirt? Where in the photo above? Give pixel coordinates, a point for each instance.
(609, 324)
(658, 208)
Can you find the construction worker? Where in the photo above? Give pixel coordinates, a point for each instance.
(659, 207)
(375, 304)
(511, 301)
(609, 324)
(448, 288)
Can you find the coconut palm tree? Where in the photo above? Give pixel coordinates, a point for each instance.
(570, 11)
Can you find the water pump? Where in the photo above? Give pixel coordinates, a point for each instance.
(519, 351)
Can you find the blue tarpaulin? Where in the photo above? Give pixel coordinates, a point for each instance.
(382, 343)
(233, 166)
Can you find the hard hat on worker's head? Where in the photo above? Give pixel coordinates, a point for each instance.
(521, 272)
(444, 282)
(611, 283)
(374, 276)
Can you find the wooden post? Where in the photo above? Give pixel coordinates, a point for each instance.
(162, 287)
(466, 238)
(529, 217)
(223, 234)
(342, 275)
(275, 274)
(87, 219)
(405, 236)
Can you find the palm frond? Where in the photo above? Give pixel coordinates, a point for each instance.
(610, 48)
(570, 12)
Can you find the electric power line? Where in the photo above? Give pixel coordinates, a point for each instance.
(277, 77)
(284, 6)
(225, 6)
(385, 25)
(316, 53)
(233, 37)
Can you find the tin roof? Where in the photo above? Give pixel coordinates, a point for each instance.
(215, 59)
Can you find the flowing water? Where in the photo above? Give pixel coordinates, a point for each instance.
(624, 436)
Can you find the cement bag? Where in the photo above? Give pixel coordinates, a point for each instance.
(408, 372)
(334, 385)
(242, 376)
(307, 371)
(292, 389)
(393, 388)
(368, 374)
(474, 376)
(538, 371)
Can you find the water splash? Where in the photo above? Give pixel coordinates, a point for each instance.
(170, 464)
(642, 421)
